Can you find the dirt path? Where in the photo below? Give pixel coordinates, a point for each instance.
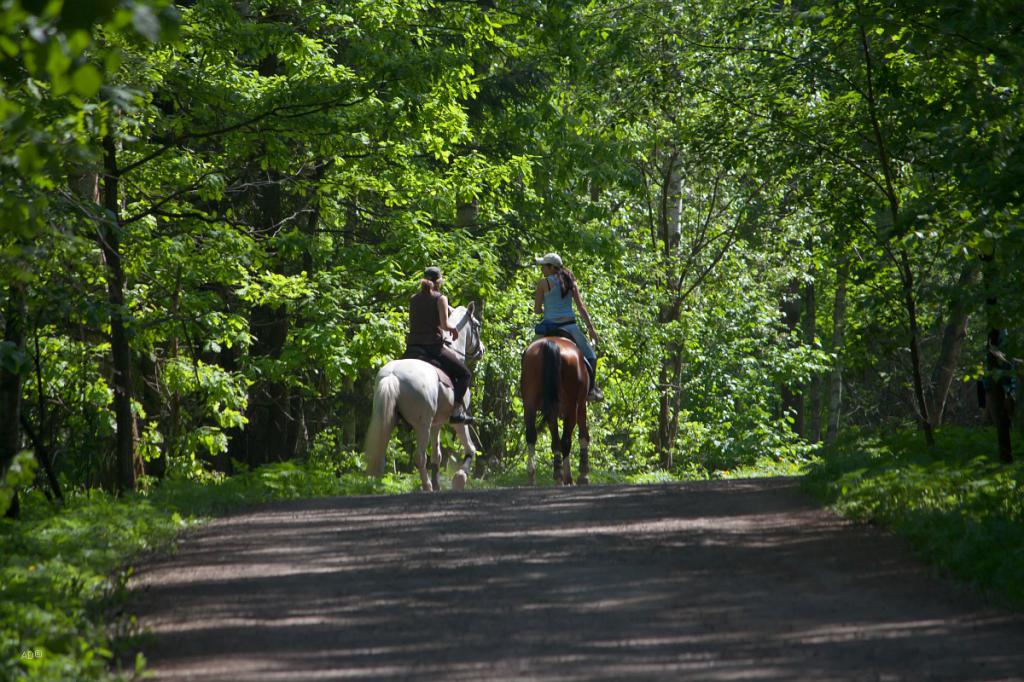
(733, 580)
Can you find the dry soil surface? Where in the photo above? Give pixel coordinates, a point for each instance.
(732, 580)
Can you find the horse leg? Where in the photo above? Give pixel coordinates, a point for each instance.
(581, 416)
(435, 461)
(469, 450)
(531, 445)
(556, 450)
(423, 443)
(568, 426)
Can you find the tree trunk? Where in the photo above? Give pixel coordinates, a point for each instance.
(811, 338)
(792, 395)
(910, 300)
(835, 380)
(669, 234)
(466, 214)
(673, 204)
(906, 273)
(668, 404)
(266, 433)
(152, 403)
(998, 368)
(121, 356)
(44, 435)
(952, 343)
(10, 384)
(662, 443)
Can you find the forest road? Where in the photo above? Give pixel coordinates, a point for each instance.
(724, 580)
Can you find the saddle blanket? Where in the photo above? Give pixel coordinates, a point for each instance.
(442, 376)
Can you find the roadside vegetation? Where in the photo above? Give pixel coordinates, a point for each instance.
(960, 507)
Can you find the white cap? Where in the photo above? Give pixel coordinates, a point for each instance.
(550, 259)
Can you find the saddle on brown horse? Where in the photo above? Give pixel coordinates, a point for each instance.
(558, 332)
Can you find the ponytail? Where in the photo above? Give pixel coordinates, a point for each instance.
(427, 285)
(567, 280)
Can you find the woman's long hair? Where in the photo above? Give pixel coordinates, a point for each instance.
(567, 280)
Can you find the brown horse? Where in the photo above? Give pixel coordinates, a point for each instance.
(555, 383)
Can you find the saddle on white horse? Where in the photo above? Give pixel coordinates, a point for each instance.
(442, 376)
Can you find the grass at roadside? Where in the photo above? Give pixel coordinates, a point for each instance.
(962, 510)
(63, 572)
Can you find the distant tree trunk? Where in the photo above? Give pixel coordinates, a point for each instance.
(172, 430)
(998, 367)
(910, 301)
(903, 263)
(952, 342)
(835, 380)
(266, 434)
(302, 430)
(1001, 404)
(41, 438)
(673, 204)
(109, 235)
(350, 385)
(152, 403)
(813, 433)
(14, 317)
(792, 395)
(668, 404)
(669, 232)
(467, 214)
(349, 432)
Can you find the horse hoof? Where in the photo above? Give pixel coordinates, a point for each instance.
(459, 482)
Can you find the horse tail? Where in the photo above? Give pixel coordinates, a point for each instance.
(382, 421)
(551, 363)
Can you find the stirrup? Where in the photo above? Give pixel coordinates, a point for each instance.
(460, 417)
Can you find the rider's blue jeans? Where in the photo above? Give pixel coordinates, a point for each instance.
(581, 340)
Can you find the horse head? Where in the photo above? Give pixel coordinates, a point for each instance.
(469, 343)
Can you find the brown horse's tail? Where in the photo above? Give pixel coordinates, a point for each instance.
(551, 370)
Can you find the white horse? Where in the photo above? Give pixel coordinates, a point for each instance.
(411, 389)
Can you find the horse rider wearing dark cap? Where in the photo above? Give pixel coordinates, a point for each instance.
(428, 320)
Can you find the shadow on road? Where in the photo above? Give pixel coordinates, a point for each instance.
(714, 581)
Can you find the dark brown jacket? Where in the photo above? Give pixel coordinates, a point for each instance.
(424, 319)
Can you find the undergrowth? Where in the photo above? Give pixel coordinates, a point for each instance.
(961, 509)
(63, 571)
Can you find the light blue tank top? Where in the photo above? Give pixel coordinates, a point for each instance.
(556, 308)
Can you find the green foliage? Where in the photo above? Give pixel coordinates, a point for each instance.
(19, 474)
(57, 577)
(961, 509)
(286, 169)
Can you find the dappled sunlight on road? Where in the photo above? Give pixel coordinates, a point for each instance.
(718, 581)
